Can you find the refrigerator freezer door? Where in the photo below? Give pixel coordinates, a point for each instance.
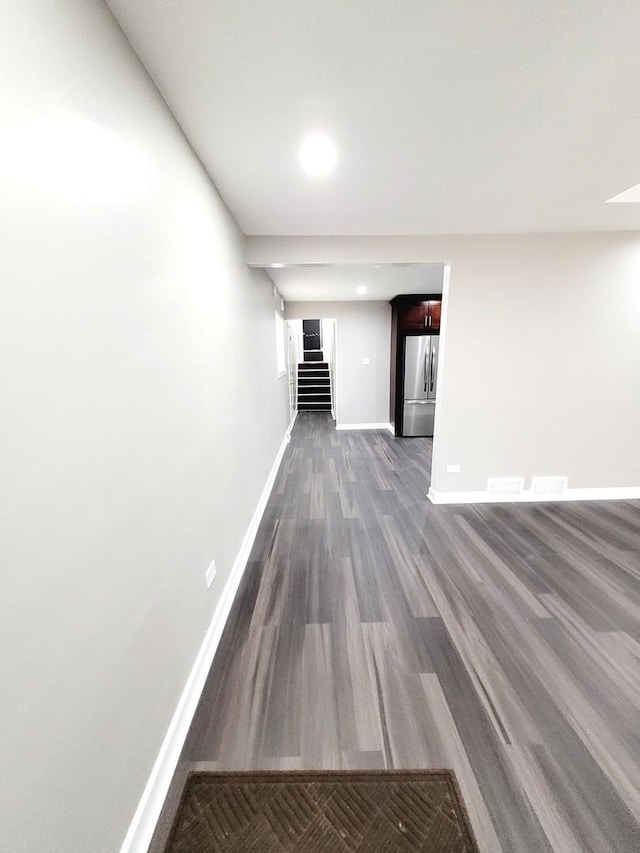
(418, 417)
(433, 368)
(416, 367)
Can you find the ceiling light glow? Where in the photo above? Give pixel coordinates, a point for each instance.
(318, 155)
(65, 156)
(361, 290)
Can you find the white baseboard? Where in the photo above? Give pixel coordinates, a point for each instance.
(144, 821)
(276, 464)
(366, 426)
(607, 493)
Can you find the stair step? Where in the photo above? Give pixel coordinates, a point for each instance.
(316, 382)
(312, 365)
(315, 398)
(314, 407)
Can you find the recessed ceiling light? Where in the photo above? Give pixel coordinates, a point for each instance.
(361, 290)
(630, 196)
(318, 155)
(277, 266)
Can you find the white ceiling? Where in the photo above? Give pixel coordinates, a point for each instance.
(449, 117)
(340, 283)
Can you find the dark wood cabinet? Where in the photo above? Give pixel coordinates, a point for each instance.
(411, 317)
(432, 318)
(414, 317)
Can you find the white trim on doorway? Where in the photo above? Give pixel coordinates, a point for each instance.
(440, 389)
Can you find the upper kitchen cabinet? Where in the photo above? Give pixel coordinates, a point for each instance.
(432, 317)
(412, 316)
(415, 314)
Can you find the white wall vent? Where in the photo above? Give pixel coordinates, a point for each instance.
(505, 485)
(549, 485)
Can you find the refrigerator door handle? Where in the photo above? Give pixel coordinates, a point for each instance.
(425, 372)
(431, 371)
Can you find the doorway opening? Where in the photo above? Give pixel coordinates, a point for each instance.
(371, 361)
(312, 364)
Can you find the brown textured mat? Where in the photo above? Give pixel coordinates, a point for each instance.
(322, 812)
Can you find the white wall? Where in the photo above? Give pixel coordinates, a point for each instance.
(294, 338)
(329, 355)
(363, 329)
(137, 355)
(542, 363)
(542, 353)
(327, 326)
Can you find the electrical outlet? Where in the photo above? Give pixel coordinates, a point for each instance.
(210, 574)
(453, 469)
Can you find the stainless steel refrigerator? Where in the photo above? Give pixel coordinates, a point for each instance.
(420, 383)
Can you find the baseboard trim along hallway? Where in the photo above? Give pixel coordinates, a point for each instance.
(141, 829)
(620, 493)
(366, 426)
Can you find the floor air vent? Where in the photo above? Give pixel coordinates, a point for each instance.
(505, 485)
(549, 485)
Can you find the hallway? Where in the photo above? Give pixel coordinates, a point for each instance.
(373, 629)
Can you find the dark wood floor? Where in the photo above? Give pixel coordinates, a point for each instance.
(374, 629)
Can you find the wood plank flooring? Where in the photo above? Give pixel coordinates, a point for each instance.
(374, 629)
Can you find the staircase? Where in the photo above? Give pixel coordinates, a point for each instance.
(314, 386)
